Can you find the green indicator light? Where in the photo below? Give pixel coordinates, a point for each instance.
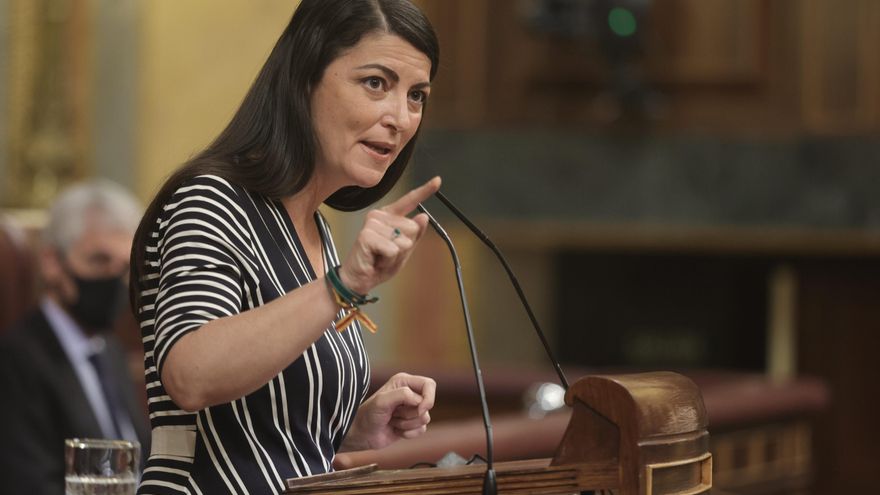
(622, 22)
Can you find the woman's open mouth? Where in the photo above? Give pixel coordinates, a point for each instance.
(382, 150)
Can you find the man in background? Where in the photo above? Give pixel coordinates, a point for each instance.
(62, 372)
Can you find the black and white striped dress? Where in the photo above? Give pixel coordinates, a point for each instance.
(218, 250)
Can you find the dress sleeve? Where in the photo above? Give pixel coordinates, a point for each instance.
(205, 256)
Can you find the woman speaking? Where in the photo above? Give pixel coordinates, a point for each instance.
(255, 365)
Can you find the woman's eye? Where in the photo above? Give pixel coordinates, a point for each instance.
(418, 96)
(374, 82)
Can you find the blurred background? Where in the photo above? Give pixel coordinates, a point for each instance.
(690, 185)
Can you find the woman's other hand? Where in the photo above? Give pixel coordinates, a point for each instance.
(400, 409)
(386, 240)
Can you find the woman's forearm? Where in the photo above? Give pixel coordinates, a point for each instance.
(230, 357)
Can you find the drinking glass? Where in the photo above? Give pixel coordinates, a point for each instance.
(101, 467)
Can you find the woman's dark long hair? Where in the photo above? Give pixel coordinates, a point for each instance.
(269, 146)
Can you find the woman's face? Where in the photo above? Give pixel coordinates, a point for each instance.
(366, 108)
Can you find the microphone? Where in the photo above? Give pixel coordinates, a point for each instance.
(522, 297)
(490, 484)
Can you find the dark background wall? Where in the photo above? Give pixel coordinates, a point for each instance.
(683, 178)
(652, 186)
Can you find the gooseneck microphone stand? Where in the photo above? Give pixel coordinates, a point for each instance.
(490, 483)
(522, 297)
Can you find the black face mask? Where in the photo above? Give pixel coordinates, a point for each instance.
(99, 303)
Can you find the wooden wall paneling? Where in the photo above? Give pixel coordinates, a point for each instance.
(830, 74)
(493, 64)
(543, 78)
(707, 41)
(870, 65)
(730, 65)
(520, 60)
(780, 105)
(709, 57)
(841, 71)
(716, 64)
(764, 459)
(460, 88)
(839, 335)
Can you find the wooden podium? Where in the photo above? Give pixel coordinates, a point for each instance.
(640, 434)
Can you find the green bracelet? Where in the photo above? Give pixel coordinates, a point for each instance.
(347, 294)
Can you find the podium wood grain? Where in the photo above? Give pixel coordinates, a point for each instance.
(641, 434)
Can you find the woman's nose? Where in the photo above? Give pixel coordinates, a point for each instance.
(397, 115)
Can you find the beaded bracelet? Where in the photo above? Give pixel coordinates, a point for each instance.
(350, 302)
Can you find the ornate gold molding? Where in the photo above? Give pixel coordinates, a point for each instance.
(47, 98)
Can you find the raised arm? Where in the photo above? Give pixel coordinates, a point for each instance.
(234, 354)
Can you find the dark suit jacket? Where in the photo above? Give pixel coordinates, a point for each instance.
(43, 403)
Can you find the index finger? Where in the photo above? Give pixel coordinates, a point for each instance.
(411, 200)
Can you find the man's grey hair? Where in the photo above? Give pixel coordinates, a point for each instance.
(79, 206)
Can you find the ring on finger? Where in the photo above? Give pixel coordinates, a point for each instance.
(395, 233)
